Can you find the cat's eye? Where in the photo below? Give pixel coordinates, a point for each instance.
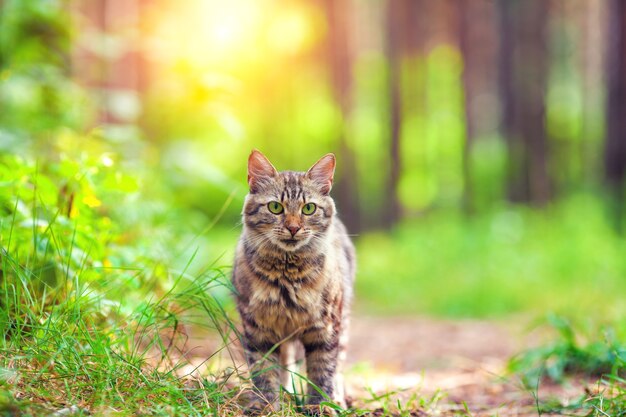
(275, 207)
(309, 208)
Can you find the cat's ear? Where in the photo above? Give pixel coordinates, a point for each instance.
(322, 172)
(259, 169)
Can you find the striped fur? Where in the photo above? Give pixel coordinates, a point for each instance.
(293, 288)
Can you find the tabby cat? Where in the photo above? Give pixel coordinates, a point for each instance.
(293, 275)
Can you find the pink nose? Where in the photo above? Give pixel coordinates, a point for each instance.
(293, 229)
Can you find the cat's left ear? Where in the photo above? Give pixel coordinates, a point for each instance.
(322, 172)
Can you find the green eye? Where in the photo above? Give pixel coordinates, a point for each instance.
(275, 207)
(309, 208)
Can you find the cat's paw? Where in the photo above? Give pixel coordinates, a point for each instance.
(258, 407)
(341, 402)
(317, 410)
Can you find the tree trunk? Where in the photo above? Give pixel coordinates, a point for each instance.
(591, 19)
(523, 76)
(124, 75)
(464, 10)
(615, 145)
(340, 63)
(507, 99)
(396, 14)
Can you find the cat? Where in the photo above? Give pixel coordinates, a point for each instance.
(293, 274)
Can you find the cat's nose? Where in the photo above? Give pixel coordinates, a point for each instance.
(293, 229)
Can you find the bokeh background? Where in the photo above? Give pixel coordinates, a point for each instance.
(481, 145)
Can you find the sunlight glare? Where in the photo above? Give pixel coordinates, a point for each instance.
(290, 32)
(218, 34)
(202, 31)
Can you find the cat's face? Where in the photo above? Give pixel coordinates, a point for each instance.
(288, 209)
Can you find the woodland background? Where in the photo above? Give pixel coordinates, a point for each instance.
(481, 151)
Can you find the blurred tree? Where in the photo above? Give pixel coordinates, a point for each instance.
(477, 39)
(563, 118)
(471, 70)
(415, 36)
(414, 100)
(339, 56)
(396, 25)
(523, 77)
(615, 147)
(113, 69)
(591, 18)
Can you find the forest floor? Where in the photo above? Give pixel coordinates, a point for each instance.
(428, 366)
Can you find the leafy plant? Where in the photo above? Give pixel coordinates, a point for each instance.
(77, 330)
(599, 357)
(570, 355)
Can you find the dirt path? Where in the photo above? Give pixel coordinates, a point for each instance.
(452, 362)
(433, 366)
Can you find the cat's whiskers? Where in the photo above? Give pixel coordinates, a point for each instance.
(258, 240)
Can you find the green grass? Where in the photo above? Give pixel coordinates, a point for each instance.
(71, 346)
(609, 398)
(90, 313)
(563, 259)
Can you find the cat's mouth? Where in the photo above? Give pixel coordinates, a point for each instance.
(290, 241)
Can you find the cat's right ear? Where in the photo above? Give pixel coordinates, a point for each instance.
(260, 169)
(322, 173)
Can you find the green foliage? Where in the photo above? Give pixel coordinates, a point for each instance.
(85, 311)
(571, 353)
(97, 274)
(36, 94)
(575, 353)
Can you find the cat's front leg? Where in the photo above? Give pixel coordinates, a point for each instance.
(264, 370)
(322, 349)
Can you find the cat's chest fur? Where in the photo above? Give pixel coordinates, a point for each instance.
(287, 289)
